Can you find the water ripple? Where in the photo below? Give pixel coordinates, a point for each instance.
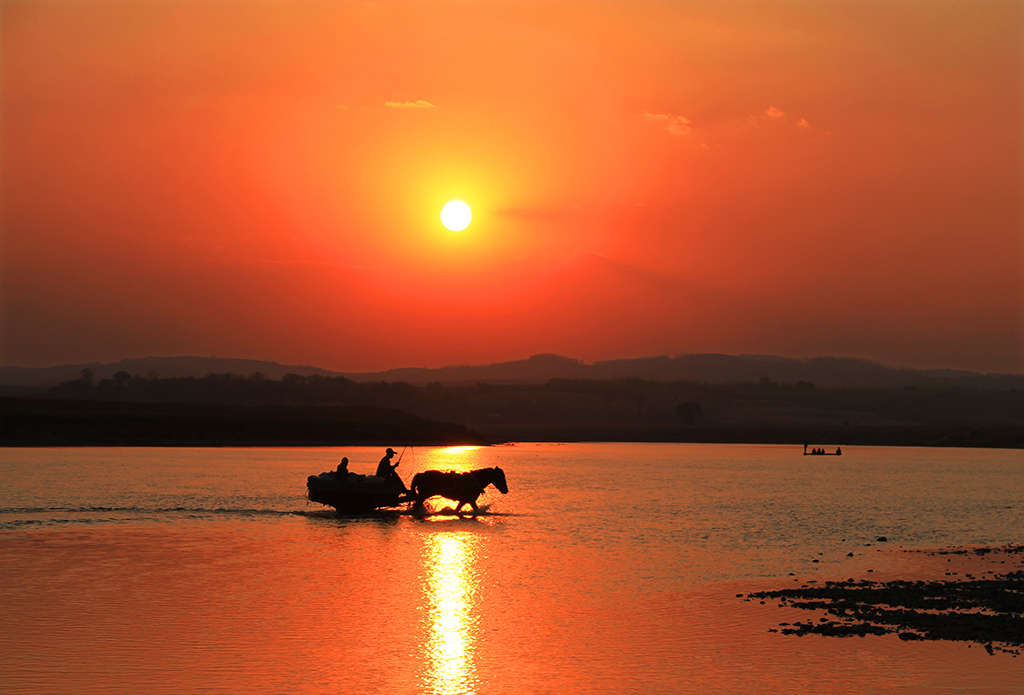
(13, 518)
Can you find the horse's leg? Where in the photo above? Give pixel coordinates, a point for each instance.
(419, 497)
(476, 509)
(459, 507)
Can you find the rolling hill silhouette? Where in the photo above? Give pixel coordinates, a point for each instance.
(837, 372)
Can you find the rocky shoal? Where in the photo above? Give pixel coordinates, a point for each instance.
(987, 609)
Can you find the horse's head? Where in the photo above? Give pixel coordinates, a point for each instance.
(499, 480)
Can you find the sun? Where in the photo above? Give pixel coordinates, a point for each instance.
(456, 215)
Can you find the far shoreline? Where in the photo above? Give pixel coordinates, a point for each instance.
(68, 423)
(100, 442)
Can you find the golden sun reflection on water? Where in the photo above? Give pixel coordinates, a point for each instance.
(461, 449)
(451, 596)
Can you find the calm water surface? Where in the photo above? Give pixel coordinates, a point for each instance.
(607, 568)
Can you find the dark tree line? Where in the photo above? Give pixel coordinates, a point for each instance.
(627, 401)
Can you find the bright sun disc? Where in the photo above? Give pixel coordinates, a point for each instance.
(456, 215)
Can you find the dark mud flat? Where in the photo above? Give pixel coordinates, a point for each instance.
(987, 610)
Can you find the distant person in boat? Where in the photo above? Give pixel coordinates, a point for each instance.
(839, 452)
(386, 470)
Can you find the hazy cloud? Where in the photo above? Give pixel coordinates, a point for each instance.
(418, 104)
(676, 125)
(774, 114)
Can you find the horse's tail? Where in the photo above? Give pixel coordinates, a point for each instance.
(413, 485)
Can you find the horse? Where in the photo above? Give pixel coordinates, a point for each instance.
(464, 488)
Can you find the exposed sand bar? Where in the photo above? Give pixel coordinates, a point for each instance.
(972, 595)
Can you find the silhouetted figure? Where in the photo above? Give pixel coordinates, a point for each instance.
(386, 470)
(839, 452)
(806, 444)
(342, 471)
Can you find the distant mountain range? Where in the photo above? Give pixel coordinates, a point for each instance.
(707, 368)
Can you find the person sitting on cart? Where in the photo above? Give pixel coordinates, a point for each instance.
(342, 471)
(386, 470)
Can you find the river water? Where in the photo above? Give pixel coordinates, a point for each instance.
(607, 568)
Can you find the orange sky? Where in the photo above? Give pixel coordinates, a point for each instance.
(263, 179)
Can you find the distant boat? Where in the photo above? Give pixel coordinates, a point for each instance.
(822, 452)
